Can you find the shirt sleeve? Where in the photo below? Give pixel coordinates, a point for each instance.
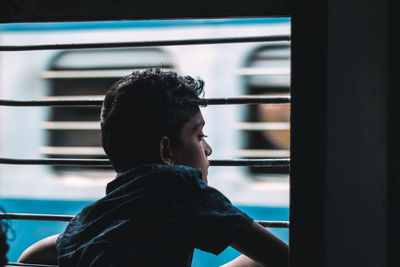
(212, 221)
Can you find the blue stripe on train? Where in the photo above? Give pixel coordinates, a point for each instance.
(58, 26)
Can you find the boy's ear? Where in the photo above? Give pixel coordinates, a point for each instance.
(165, 151)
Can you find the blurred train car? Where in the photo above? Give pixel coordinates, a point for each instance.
(235, 131)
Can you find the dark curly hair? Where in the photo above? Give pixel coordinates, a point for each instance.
(3, 241)
(141, 108)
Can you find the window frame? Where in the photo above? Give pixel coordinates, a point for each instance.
(314, 50)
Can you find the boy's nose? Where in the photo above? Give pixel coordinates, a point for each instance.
(208, 149)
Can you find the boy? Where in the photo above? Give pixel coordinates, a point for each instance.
(159, 208)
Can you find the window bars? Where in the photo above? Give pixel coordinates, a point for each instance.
(98, 103)
(251, 39)
(66, 218)
(281, 162)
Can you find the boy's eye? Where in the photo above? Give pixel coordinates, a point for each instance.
(201, 136)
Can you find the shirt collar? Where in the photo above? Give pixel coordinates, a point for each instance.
(146, 169)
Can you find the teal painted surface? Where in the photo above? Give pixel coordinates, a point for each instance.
(28, 232)
(101, 25)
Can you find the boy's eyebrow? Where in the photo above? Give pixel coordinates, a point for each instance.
(199, 124)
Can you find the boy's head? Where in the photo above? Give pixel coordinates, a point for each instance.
(146, 118)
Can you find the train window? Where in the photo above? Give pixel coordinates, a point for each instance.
(87, 74)
(266, 127)
(62, 132)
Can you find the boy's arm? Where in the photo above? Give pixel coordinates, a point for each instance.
(260, 248)
(44, 251)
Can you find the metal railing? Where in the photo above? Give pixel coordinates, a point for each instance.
(284, 162)
(201, 102)
(205, 41)
(67, 218)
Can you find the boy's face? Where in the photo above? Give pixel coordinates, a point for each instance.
(194, 150)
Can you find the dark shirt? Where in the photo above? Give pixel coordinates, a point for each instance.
(152, 215)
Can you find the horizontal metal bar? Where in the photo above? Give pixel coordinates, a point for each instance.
(35, 217)
(52, 103)
(74, 97)
(284, 162)
(249, 39)
(57, 162)
(98, 103)
(66, 218)
(28, 265)
(275, 224)
(246, 100)
(252, 162)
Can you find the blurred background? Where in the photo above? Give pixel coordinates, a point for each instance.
(235, 131)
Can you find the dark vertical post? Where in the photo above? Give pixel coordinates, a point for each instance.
(393, 184)
(308, 132)
(356, 172)
(345, 69)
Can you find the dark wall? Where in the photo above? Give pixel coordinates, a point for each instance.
(345, 134)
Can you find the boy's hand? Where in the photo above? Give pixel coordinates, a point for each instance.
(44, 251)
(242, 261)
(260, 248)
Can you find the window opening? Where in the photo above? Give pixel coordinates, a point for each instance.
(85, 70)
